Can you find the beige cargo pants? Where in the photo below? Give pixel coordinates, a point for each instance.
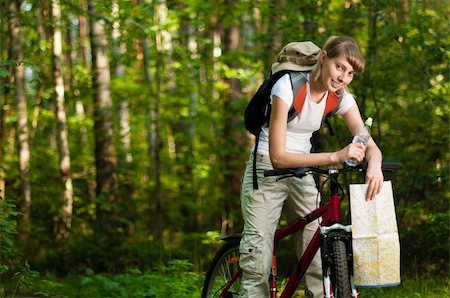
(261, 210)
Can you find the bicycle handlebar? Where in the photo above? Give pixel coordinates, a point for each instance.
(301, 172)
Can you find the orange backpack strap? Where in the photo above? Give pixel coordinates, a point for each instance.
(332, 102)
(299, 100)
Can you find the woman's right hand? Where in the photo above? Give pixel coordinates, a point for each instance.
(356, 151)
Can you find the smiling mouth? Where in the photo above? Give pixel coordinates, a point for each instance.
(335, 84)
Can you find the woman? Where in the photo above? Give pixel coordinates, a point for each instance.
(288, 145)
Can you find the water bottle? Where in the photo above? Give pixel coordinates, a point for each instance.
(361, 137)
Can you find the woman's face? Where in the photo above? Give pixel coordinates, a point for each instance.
(336, 72)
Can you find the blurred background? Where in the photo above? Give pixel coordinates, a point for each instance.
(122, 142)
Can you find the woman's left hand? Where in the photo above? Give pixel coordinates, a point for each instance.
(374, 178)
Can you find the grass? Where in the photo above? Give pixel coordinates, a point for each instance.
(417, 287)
(174, 280)
(178, 280)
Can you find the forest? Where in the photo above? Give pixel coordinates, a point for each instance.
(122, 141)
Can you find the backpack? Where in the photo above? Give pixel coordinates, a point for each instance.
(294, 59)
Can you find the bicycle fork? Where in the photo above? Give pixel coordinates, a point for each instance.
(328, 293)
(329, 234)
(355, 293)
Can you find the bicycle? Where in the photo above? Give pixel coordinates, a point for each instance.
(332, 237)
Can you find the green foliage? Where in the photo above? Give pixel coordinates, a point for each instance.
(177, 280)
(8, 231)
(23, 280)
(25, 277)
(174, 280)
(425, 286)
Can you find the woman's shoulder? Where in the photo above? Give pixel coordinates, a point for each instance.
(346, 101)
(344, 94)
(283, 89)
(284, 78)
(283, 82)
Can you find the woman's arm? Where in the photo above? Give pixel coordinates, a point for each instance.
(277, 144)
(373, 155)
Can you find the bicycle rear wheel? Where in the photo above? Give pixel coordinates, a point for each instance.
(340, 279)
(223, 268)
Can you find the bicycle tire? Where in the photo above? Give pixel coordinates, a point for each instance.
(340, 279)
(224, 265)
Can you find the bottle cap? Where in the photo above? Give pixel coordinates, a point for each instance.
(369, 122)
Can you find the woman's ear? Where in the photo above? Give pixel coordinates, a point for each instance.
(323, 56)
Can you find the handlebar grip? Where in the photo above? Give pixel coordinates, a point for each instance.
(299, 172)
(385, 166)
(278, 172)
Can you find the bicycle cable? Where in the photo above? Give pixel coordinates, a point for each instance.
(321, 186)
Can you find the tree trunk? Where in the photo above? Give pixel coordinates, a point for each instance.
(22, 121)
(5, 84)
(184, 128)
(150, 103)
(125, 157)
(105, 150)
(44, 74)
(155, 145)
(405, 9)
(119, 50)
(3, 133)
(233, 159)
(4, 111)
(64, 222)
(83, 49)
(83, 32)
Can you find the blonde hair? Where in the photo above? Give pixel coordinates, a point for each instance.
(340, 45)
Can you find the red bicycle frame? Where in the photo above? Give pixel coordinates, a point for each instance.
(330, 213)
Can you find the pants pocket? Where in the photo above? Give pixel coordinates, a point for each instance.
(250, 250)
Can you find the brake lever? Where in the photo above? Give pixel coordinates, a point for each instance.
(301, 172)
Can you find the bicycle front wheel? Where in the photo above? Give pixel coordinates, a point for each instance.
(340, 279)
(223, 270)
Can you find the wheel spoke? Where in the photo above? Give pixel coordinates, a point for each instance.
(223, 268)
